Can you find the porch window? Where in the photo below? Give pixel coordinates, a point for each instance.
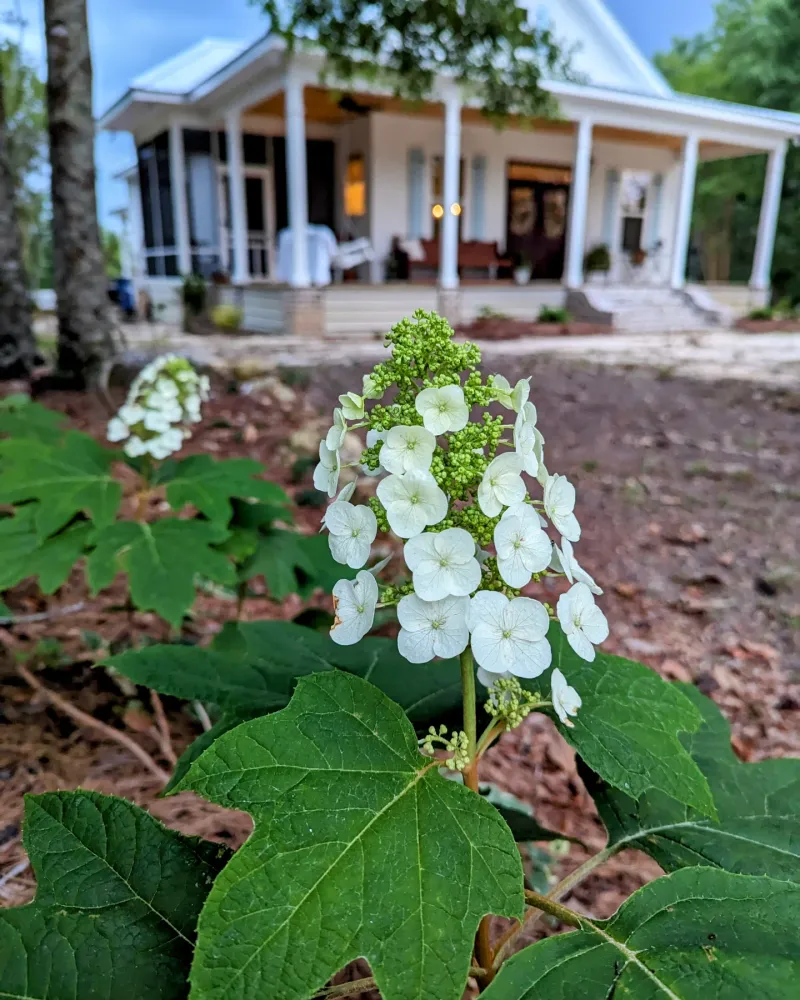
(633, 209)
(355, 186)
(155, 186)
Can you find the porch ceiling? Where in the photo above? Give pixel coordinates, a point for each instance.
(326, 107)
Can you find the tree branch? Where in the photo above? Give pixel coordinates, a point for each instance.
(84, 719)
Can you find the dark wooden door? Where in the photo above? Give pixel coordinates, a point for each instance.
(537, 226)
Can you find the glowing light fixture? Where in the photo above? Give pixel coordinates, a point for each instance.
(437, 211)
(455, 208)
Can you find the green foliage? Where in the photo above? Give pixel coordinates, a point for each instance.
(696, 934)
(547, 314)
(161, 559)
(758, 806)
(70, 477)
(118, 896)
(765, 312)
(49, 561)
(518, 814)
(597, 259)
(194, 294)
(20, 417)
(628, 727)
(112, 252)
(360, 849)
(210, 485)
(227, 317)
(489, 46)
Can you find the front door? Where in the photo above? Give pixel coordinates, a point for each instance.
(538, 198)
(260, 222)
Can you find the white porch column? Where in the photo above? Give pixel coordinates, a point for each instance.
(297, 179)
(180, 206)
(768, 219)
(578, 201)
(683, 218)
(448, 246)
(241, 262)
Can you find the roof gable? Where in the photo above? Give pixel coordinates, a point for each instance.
(191, 67)
(601, 51)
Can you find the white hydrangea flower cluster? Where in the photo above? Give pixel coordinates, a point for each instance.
(164, 399)
(455, 492)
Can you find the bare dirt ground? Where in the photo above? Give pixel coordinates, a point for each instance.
(689, 498)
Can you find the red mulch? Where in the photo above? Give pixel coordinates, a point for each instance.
(689, 497)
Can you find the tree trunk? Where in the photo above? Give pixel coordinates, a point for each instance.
(17, 346)
(85, 339)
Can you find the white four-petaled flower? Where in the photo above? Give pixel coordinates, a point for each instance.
(334, 439)
(522, 547)
(412, 502)
(509, 636)
(352, 531)
(354, 604)
(564, 561)
(559, 504)
(406, 448)
(512, 399)
(566, 700)
(443, 409)
(584, 624)
(502, 484)
(326, 473)
(352, 406)
(432, 628)
(527, 440)
(443, 564)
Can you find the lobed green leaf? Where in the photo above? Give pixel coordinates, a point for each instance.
(210, 485)
(360, 848)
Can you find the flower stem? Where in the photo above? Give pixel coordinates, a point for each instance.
(483, 943)
(562, 913)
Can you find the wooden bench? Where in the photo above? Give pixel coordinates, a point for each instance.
(473, 255)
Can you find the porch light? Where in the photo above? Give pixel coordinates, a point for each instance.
(455, 208)
(437, 211)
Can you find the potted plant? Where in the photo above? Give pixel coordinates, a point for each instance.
(597, 262)
(194, 296)
(523, 270)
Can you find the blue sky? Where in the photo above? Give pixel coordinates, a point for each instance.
(131, 36)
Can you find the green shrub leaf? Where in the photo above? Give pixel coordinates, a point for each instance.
(292, 563)
(24, 556)
(209, 485)
(118, 896)
(628, 726)
(252, 668)
(758, 805)
(518, 814)
(71, 478)
(162, 560)
(693, 935)
(21, 417)
(360, 848)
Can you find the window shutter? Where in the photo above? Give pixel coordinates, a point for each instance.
(610, 207)
(416, 192)
(478, 185)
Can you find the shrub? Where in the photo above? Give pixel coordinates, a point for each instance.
(227, 317)
(547, 314)
(194, 294)
(597, 259)
(762, 312)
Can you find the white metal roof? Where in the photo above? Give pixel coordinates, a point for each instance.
(188, 69)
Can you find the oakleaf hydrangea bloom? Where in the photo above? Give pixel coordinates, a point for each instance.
(412, 502)
(443, 409)
(352, 531)
(566, 700)
(354, 604)
(509, 636)
(559, 504)
(583, 623)
(407, 449)
(326, 473)
(564, 561)
(432, 628)
(522, 546)
(502, 484)
(479, 514)
(164, 399)
(443, 564)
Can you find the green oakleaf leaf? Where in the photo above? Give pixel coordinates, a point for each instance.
(758, 805)
(292, 563)
(627, 728)
(67, 479)
(24, 556)
(209, 485)
(360, 848)
(252, 668)
(518, 814)
(21, 417)
(162, 560)
(696, 934)
(116, 906)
